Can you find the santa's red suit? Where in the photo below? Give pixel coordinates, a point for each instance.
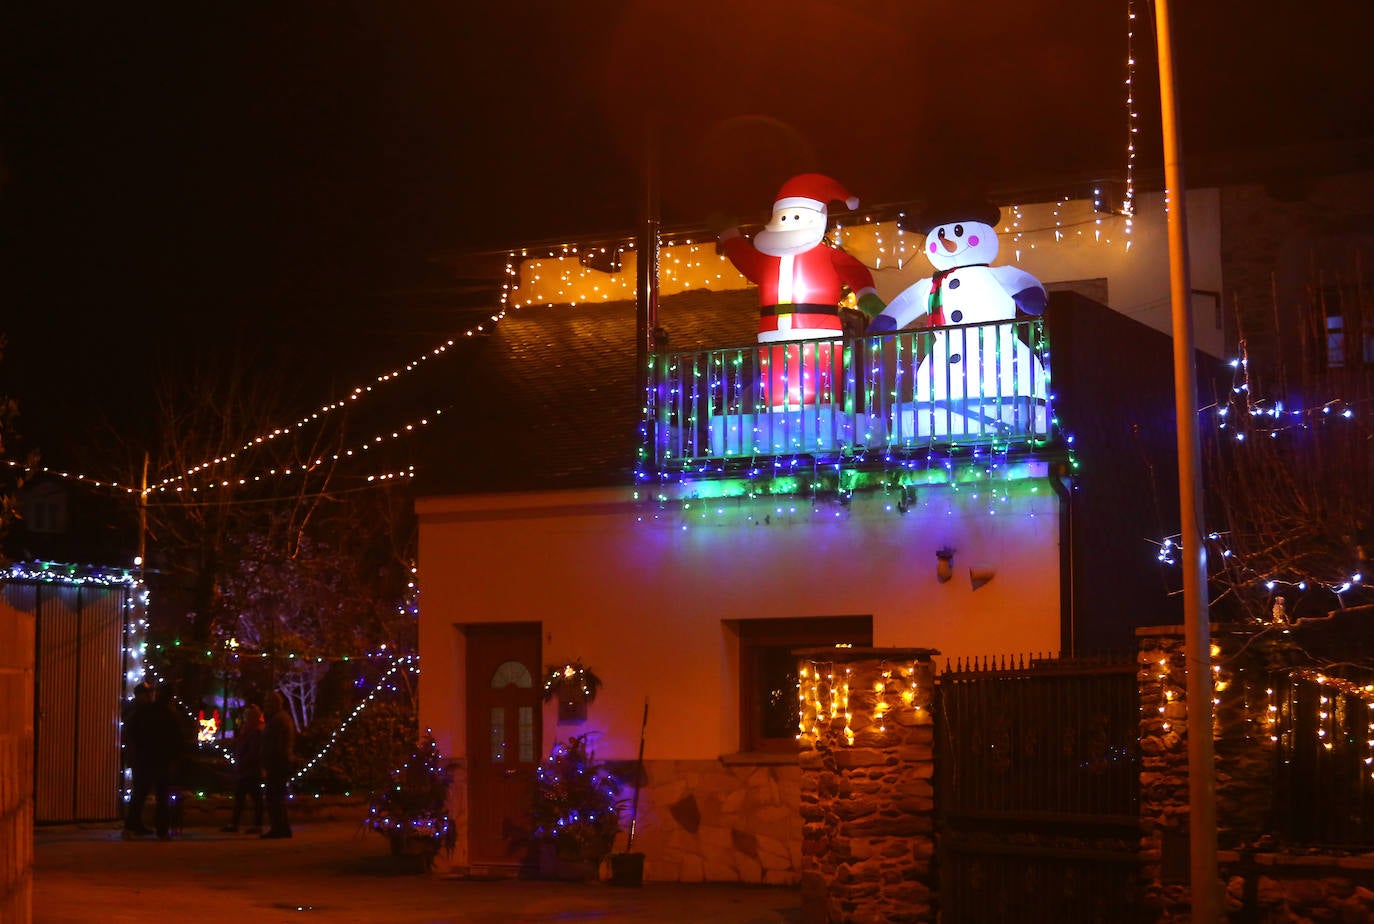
(800, 278)
(799, 295)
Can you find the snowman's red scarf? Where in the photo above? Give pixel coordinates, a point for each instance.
(935, 308)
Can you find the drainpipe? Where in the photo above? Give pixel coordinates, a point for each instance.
(1068, 602)
(646, 276)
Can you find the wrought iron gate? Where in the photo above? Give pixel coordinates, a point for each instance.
(1037, 792)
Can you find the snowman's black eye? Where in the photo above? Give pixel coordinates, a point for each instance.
(958, 230)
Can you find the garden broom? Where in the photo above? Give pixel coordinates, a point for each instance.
(639, 775)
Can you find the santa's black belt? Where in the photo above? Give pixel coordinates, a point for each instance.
(767, 310)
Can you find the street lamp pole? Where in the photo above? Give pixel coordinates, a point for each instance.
(1202, 813)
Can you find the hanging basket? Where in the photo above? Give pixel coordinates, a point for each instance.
(573, 686)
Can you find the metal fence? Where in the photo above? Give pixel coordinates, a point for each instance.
(1038, 791)
(79, 681)
(904, 391)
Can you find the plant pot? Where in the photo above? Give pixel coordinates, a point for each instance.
(627, 869)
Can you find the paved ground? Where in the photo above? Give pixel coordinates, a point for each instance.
(336, 871)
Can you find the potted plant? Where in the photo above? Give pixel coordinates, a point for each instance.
(576, 812)
(574, 686)
(412, 813)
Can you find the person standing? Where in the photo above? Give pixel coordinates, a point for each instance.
(278, 756)
(135, 733)
(155, 741)
(248, 764)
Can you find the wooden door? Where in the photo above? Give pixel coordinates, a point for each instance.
(504, 694)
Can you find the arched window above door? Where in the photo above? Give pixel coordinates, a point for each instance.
(512, 673)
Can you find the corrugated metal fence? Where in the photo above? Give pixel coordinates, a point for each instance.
(78, 686)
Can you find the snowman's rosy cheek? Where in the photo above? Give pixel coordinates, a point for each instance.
(932, 246)
(973, 240)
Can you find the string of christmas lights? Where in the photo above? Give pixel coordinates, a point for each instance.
(68, 476)
(1245, 415)
(305, 467)
(51, 572)
(1336, 687)
(824, 698)
(561, 275)
(356, 394)
(406, 662)
(1132, 120)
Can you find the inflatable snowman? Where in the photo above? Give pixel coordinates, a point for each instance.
(978, 377)
(800, 279)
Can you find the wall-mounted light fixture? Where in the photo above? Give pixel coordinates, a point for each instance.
(944, 564)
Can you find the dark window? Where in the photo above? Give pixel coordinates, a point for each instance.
(1335, 341)
(768, 672)
(45, 510)
(1349, 337)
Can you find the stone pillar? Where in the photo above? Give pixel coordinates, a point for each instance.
(867, 754)
(16, 763)
(1245, 662)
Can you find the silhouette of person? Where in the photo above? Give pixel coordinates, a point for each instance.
(278, 756)
(248, 767)
(155, 743)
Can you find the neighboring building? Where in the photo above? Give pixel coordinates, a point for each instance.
(72, 520)
(82, 624)
(683, 554)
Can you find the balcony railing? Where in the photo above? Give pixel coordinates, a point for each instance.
(899, 393)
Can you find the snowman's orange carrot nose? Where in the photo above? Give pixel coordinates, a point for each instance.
(950, 246)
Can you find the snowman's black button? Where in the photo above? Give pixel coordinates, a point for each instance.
(954, 283)
(956, 316)
(954, 358)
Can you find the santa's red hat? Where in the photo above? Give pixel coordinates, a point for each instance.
(813, 191)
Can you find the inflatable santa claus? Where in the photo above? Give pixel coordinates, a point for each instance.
(801, 280)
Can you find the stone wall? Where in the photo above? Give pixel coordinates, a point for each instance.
(868, 761)
(1266, 887)
(714, 821)
(1263, 882)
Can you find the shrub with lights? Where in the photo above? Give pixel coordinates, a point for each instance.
(413, 812)
(577, 804)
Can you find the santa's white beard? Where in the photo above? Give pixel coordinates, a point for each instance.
(787, 243)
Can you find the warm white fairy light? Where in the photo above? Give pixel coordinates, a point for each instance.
(1349, 691)
(172, 485)
(406, 662)
(324, 410)
(1166, 692)
(68, 476)
(1132, 121)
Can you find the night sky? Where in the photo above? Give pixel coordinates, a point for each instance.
(278, 178)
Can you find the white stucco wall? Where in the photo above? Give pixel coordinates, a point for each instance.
(1135, 265)
(640, 600)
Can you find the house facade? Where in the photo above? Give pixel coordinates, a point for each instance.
(681, 539)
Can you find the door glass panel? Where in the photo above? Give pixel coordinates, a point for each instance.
(498, 734)
(526, 746)
(512, 672)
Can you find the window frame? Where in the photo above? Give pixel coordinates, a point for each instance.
(760, 637)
